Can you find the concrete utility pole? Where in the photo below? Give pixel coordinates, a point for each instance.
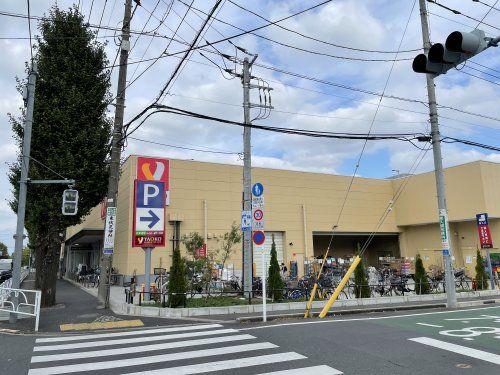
(23, 184)
(116, 148)
(247, 180)
(451, 298)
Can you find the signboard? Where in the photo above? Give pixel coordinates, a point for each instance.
(149, 214)
(257, 189)
(109, 231)
(258, 219)
(155, 169)
(201, 252)
(104, 205)
(246, 221)
(483, 229)
(258, 202)
(445, 237)
(258, 237)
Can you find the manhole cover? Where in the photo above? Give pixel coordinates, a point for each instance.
(463, 365)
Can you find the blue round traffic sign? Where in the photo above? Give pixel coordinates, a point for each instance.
(257, 189)
(258, 237)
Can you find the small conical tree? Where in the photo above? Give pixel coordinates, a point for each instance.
(361, 287)
(177, 281)
(421, 282)
(274, 281)
(481, 275)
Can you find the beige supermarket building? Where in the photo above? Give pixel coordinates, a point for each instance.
(300, 209)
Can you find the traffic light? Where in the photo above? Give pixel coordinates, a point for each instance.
(459, 47)
(70, 202)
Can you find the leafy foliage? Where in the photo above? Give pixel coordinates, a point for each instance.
(481, 275)
(177, 282)
(229, 239)
(274, 281)
(70, 135)
(198, 270)
(421, 281)
(361, 287)
(3, 251)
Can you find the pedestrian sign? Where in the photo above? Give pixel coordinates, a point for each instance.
(257, 189)
(149, 214)
(246, 221)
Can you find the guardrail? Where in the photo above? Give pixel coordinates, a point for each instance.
(16, 301)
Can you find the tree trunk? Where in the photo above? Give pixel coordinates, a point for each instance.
(47, 265)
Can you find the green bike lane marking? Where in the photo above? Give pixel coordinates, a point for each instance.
(472, 328)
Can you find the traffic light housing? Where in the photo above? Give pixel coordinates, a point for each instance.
(459, 47)
(70, 202)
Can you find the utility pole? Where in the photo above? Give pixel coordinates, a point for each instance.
(451, 299)
(116, 148)
(247, 179)
(23, 184)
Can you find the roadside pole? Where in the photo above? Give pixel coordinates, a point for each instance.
(116, 148)
(264, 294)
(23, 185)
(451, 299)
(147, 272)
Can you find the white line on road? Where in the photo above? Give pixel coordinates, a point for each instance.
(459, 349)
(85, 367)
(90, 344)
(224, 365)
(128, 333)
(315, 370)
(138, 349)
(326, 321)
(429, 325)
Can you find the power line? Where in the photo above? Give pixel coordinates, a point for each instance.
(177, 68)
(486, 4)
(486, 15)
(313, 38)
(478, 77)
(303, 49)
(186, 148)
(470, 143)
(461, 14)
(102, 15)
(90, 13)
(29, 29)
(145, 24)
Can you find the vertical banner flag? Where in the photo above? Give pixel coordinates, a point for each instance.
(445, 236)
(109, 231)
(483, 229)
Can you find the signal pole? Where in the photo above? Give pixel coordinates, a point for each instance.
(451, 299)
(116, 148)
(23, 184)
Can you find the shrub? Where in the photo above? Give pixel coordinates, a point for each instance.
(421, 282)
(481, 275)
(177, 281)
(361, 287)
(274, 281)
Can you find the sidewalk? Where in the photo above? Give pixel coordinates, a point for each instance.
(73, 306)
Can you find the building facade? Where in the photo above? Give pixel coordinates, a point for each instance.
(301, 208)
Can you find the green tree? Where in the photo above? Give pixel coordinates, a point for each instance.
(25, 261)
(481, 275)
(4, 254)
(361, 287)
(70, 135)
(229, 239)
(199, 270)
(421, 281)
(177, 281)
(274, 281)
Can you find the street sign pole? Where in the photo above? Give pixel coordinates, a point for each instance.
(147, 272)
(264, 295)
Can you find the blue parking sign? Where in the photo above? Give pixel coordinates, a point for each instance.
(150, 194)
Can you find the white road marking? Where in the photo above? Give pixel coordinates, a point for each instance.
(134, 340)
(315, 370)
(429, 325)
(128, 333)
(224, 365)
(468, 338)
(85, 367)
(137, 349)
(327, 321)
(459, 349)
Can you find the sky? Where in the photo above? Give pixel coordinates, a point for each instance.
(201, 86)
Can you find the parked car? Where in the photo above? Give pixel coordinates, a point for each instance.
(5, 269)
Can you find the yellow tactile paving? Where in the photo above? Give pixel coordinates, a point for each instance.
(99, 325)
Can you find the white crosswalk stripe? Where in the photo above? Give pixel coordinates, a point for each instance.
(193, 349)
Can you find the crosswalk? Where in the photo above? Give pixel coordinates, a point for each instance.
(181, 350)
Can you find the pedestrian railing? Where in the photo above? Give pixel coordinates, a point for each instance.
(18, 301)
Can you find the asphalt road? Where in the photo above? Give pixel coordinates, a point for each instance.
(436, 342)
